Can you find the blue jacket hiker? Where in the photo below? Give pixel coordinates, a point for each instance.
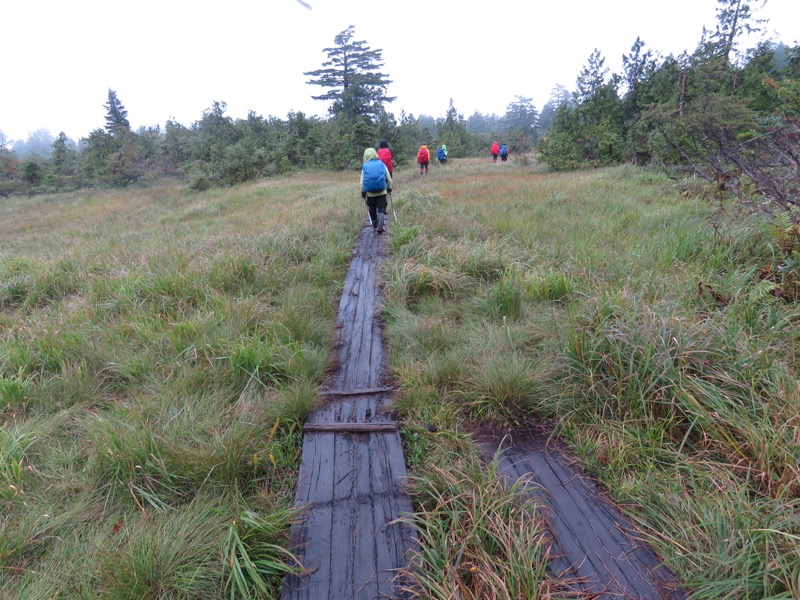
(376, 182)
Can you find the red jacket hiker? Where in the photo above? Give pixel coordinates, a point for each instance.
(495, 150)
(386, 157)
(423, 158)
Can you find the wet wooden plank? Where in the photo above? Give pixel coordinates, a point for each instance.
(361, 392)
(351, 427)
(596, 546)
(352, 468)
(353, 545)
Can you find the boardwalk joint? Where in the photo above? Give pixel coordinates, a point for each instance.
(361, 392)
(351, 427)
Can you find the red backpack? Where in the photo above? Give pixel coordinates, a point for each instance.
(423, 155)
(386, 156)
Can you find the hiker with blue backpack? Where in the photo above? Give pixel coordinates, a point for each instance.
(441, 154)
(504, 153)
(376, 182)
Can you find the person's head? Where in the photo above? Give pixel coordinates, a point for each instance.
(370, 154)
(384, 143)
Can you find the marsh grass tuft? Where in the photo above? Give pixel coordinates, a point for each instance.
(175, 554)
(12, 467)
(255, 552)
(14, 391)
(480, 538)
(548, 285)
(505, 386)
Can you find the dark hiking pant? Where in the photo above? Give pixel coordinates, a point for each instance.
(377, 210)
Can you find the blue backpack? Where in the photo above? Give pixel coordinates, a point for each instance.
(440, 153)
(374, 172)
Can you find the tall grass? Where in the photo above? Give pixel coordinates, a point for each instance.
(158, 353)
(479, 538)
(649, 331)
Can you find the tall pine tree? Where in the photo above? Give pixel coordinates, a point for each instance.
(116, 115)
(522, 120)
(353, 78)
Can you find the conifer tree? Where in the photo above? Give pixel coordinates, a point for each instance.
(522, 118)
(452, 130)
(63, 155)
(116, 115)
(353, 78)
(734, 17)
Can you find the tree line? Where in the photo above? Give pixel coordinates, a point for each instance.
(730, 115)
(219, 150)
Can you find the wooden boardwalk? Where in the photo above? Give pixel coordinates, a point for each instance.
(352, 466)
(595, 547)
(352, 470)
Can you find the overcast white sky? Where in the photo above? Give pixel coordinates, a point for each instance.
(173, 58)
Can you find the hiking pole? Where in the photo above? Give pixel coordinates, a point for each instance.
(391, 202)
(369, 216)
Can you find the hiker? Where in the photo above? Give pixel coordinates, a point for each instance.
(423, 158)
(376, 182)
(386, 156)
(504, 153)
(495, 150)
(441, 154)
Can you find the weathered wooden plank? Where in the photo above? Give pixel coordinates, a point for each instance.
(599, 530)
(349, 537)
(315, 480)
(350, 427)
(360, 392)
(598, 548)
(314, 553)
(573, 519)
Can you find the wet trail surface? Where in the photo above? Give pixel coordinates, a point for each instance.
(352, 472)
(595, 547)
(352, 466)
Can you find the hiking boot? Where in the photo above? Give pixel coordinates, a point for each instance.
(380, 229)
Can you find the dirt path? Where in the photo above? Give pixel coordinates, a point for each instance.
(352, 469)
(351, 481)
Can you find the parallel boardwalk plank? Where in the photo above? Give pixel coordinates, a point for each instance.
(595, 545)
(361, 392)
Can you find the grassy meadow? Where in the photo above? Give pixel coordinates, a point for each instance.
(159, 350)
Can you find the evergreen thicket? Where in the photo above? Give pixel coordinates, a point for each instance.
(722, 114)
